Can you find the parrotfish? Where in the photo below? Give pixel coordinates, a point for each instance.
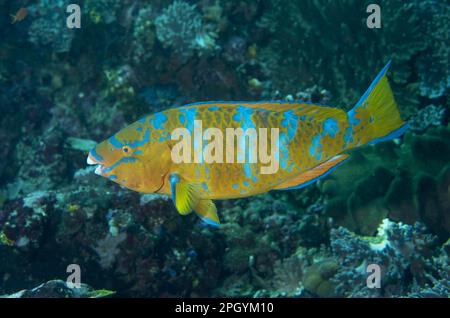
(307, 142)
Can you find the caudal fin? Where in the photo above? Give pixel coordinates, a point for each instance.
(375, 117)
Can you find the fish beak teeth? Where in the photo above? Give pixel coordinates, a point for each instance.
(99, 170)
(90, 161)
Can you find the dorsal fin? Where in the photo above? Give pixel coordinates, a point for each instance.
(269, 105)
(306, 178)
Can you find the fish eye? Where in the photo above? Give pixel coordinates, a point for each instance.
(126, 149)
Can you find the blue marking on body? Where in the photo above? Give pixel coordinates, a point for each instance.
(139, 129)
(247, 170)
(164, 136)
(213, 108)
(315, 144)
(283, 149)
(235, 185)
(353, 121)
(173, 179)
(189, 116)
(158, 120)
(348, 137)
(246, 183)
(330, 127)
(290, 120)
(138, 152)
(243, 114)
(113, 177)
(205, 186)
(119, 162)
(181, 118)
(302, 185)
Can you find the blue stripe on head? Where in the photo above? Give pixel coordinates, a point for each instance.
(143, 141)
(95, 155)
(119, 162)
(115, 142)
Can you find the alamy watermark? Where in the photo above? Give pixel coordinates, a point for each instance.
(374, 19)
(241, 146)
(374, 279)
(74, 279)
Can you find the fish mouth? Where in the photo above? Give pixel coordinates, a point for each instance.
(99, 166)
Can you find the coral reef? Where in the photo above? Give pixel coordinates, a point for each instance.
(406, 182)
(403, 252)
(62, 90)
(60, 289)
(186, 35)
(430, 115)
(49, 28)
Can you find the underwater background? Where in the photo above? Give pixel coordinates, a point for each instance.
(62, 90)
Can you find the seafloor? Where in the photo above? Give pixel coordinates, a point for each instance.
(62, 90)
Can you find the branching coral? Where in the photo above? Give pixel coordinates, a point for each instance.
(180, 27)
(49, 28)
(402, 252)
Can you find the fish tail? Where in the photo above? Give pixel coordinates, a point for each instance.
(375, 117)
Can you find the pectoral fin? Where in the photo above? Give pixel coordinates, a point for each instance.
(207, 211)
(306, 178)
(185, 195)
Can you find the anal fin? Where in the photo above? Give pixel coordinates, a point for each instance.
(308, 177)
(207, 211)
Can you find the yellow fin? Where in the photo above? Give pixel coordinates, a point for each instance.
(376, 116)
(207, 211)
(185, 195)
(310, 176)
